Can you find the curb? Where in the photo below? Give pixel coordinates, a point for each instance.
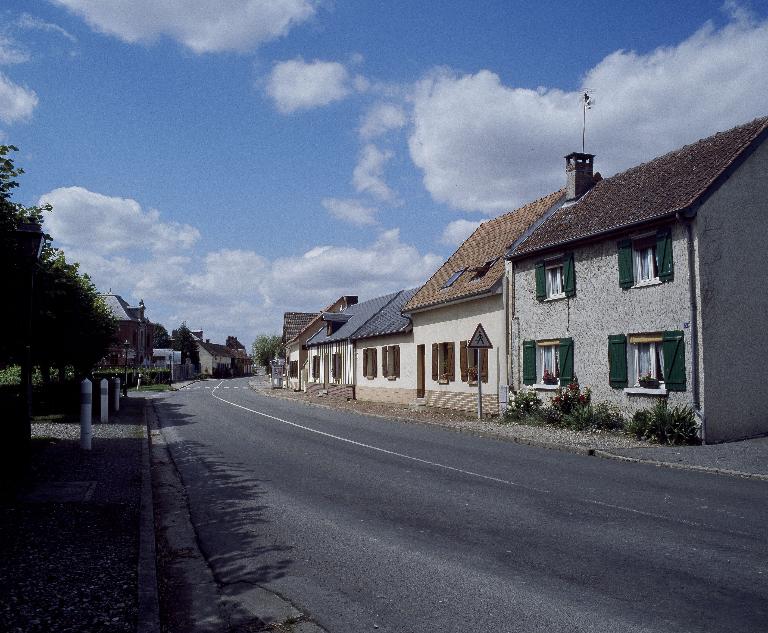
(565, 448)
(148, 620)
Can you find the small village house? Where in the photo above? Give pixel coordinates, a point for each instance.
(132, 326)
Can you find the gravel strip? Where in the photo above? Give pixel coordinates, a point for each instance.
(551, 437)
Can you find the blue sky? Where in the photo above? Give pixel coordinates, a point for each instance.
(229, 161)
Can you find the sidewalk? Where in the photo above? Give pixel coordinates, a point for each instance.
(70, 541)
(747, 458)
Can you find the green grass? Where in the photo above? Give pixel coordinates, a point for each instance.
(157, 388)
(56, 418)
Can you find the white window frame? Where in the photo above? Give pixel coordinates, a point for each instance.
(547, 358)
(390, 361)
(657, 363)
(644, 252)
(554, 268)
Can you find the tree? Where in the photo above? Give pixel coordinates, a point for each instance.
(184, 342)
(160, 336)
(265, 348)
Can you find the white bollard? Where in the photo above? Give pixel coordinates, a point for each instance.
(104, 393)
(86, 430)
(116, 394)
(138, 383)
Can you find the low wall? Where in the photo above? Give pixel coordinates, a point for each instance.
(383, 394)
(341, 392)
(462, 401)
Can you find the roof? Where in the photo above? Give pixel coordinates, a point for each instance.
(489, 242)
(120, 308)
(359, 315)
(295, 322)
(214, 349)
(657, 189)
(389, 320)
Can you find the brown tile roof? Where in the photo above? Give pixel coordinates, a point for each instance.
(295, 322)
(490, 241)
(656, 189)
(214, 349)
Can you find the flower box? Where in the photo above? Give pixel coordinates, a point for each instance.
(649, 383)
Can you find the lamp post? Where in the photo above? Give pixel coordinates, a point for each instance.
(29, 239)
(125, 382)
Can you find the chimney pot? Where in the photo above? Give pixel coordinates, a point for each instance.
(579, 178)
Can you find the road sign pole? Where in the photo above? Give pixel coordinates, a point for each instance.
(479, 385)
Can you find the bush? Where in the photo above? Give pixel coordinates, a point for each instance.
(571, 397)
(607, 417)
(665, 425)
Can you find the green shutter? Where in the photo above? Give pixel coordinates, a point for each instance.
(664, 263)
(569, 276)
(674, 361)
(617, 360)
(566, 362)
(626, 274)
(541, 282)
(529, 362)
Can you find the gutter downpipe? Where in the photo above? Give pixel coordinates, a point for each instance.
(507, 328)
(693, 303)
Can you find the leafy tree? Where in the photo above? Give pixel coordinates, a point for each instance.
(184, 342)
(265, 348)
(160, 336)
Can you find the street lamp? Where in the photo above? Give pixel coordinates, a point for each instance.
(125, 381)
(29, 240)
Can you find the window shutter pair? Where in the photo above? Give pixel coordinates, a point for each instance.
(384, 367)
(463, 361)
(566, 362)
(529, 362)
(435, 361)
(541, 281)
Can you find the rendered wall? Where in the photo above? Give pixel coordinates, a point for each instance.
(382, 388)
(732, 232)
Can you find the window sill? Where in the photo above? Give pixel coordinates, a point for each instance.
(540, 386)
(642, 391)
(442, 382)
(555, 297)
(649, 282)
(369, 377)
(391, 377)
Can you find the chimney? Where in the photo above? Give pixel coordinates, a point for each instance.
(349, 300)
(578, 169)
(207, 340)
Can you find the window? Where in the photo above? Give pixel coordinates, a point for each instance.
(646, 259)
(443, 362)
(482, 271)
(336, 367)
(548, 362)
(452, 279)
(467, 363)
(555, 278)
(647, 361)
(293, 369)
(390, 362)
(316, 367)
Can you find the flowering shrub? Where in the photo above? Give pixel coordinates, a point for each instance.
(549, 378)
(525, 404)
(571, 397)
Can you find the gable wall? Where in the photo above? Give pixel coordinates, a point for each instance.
(381, 388)
(732, 235)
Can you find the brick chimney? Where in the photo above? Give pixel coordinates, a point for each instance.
(578, 169)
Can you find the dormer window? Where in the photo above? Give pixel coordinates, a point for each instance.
(452, 279)
(481, 271)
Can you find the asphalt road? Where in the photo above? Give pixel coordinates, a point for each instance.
(368, 524)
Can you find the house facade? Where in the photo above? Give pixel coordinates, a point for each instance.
(640, 286)
(223, 361)
(134, 328)
(469, 289)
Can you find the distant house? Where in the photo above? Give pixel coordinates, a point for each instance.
(223, 361)
(298, 327)
(646, 285)
(469, 289)
(132, 327)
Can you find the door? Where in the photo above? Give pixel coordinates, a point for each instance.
(420, 371)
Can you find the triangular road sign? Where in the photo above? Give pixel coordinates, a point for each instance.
(480, 339)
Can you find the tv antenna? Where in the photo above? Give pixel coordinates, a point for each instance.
(587, 101)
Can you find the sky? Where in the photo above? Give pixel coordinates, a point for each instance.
(229, 161)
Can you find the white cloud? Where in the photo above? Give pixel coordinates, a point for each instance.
(16, 102)
(227, 291)
(349, 210)
(380, 119)
(31, 23)
(10, 53)
(485, 146)
(298, 85)
(110, 225)
(458, 231)
(368, 175)
(200, 25)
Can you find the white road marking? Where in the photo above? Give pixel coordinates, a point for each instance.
(470, 473)
(378, 448)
